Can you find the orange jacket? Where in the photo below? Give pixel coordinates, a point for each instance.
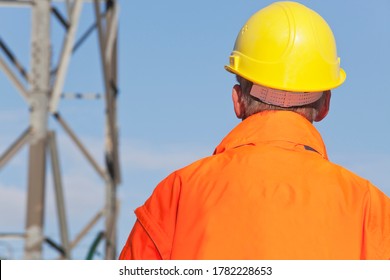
(268, 192)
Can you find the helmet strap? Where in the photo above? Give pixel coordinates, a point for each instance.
(283, 98)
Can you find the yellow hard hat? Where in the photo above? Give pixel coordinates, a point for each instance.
(287, 46)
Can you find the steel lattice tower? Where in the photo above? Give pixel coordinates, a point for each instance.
(42, 89)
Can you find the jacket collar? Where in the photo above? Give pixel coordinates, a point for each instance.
(271, 126)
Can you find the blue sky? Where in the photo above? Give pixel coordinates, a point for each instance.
(175, 101)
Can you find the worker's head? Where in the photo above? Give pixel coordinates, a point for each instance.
(285, 58)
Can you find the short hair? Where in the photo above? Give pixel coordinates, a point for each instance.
(254, 105)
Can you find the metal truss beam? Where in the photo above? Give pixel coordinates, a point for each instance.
(45, 88)
(16, 3)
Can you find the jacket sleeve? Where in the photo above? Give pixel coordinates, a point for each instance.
(377, 225)
(139, 245)
(152, 235)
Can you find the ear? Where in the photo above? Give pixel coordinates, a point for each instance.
(324, 110)
(237, 103)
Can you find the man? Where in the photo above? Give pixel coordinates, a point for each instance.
(269, 190)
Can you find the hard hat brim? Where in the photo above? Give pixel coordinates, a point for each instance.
(335, 84)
